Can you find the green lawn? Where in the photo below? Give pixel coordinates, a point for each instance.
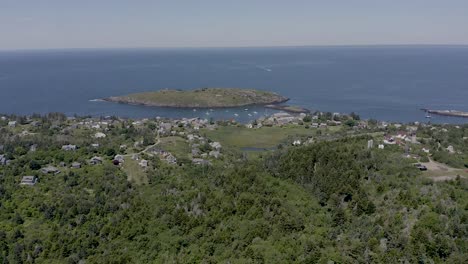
(134, 172)
(265, 137)
(175, 145)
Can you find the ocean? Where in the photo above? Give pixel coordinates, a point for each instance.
(388, 83)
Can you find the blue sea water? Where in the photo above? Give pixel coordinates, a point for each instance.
(384, 82)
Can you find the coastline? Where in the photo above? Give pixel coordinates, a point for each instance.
(201, 98)
(452, 113)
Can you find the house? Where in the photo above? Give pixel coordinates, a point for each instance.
(389, 140)
(170, 159)
(296, 143)
(76, 165)
(381, 146)
(69, 147)
(285, 120)
(36, 123)
(334, 123)
(29, 180)
(201, 162)
(95, 160)
(401, 135)
(215, 145)
(3, 160)
(166, 127)
(99, 135)
(119, 158)
(50, 169)
(450, 149)
(370, 144)
(143, 163)
(195, 152)
(33, 148)
(12, 124)
(215, 154)
(95, 145)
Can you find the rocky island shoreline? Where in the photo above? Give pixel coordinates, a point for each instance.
(201, 98)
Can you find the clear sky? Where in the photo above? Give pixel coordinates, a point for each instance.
(38, 24)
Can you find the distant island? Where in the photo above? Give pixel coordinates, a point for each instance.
(201, 98)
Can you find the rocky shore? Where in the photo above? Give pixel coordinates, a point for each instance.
(201, 98)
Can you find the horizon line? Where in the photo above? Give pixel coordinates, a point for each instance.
(234, 47)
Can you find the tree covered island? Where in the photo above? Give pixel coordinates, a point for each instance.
(201, 98)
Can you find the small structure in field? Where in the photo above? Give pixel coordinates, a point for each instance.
(50, 170)
(95, 160)
(76, 165)
(29, 180)
(69, 147)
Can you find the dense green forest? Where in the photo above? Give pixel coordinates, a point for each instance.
(331, 201)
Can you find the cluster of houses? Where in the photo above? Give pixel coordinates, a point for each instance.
(284, 118)
(400, 138)
(200, 153)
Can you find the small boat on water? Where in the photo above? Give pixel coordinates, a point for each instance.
(428, 116)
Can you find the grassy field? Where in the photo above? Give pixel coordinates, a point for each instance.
(175, 145)
(134, 172)
(206, 97)
(265, 137)
(441, 172)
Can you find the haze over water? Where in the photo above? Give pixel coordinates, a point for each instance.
(384, 82)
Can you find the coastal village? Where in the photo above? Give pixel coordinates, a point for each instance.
(178, 142)
(75, 173)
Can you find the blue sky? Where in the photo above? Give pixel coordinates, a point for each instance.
(38, 24)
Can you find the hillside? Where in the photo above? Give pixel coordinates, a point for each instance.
(201, 98)
(332, 200)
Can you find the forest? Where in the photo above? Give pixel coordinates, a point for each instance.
(331, 201)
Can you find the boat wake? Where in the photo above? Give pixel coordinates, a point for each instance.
(96, 100)
(265, 68)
